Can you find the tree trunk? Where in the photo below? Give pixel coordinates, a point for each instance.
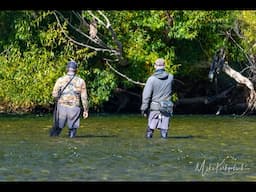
(251, 100)
(223, 99)
(238, 77)
(205, 100)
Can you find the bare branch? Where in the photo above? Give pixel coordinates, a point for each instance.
(82, 44)
(80, 32)
(97, 18)
(122, 75)
(108, 26)
(251, 99)
(81, 19)
(98, 43)
(238, 77)
(205, 100)
(108, 23)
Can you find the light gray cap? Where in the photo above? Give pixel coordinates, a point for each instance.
(160, 63)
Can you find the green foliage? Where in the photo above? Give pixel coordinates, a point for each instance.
(144, 39)
(33, 58)
(187, 42)
(100, 83)
(195, 51)
(247, 29)
(34, 50)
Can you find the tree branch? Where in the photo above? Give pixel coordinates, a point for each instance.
(82, 44)
(124, 76)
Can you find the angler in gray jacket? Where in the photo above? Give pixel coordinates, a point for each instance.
(158, 88)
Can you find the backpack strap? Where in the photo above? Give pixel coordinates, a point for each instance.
(61, 91)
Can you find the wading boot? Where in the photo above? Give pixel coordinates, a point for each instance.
(149, 133)
(55, 132)
(163, 133)
(72, 133)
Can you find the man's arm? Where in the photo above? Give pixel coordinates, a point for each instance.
(56, 90)
(146, 97)
(84, 99)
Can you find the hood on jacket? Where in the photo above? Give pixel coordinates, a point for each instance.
(161, 74)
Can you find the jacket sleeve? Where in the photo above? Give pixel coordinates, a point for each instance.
(146, 95)
(56, 89)
(84, 96)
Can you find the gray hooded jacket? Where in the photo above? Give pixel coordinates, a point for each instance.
(158, 87)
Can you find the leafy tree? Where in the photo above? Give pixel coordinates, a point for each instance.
(34, 53)
(114, 49)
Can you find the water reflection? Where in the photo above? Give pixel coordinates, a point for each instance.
(86, 136)
(113, 148)
(187, 137)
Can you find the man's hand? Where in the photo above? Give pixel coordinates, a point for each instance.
(85, 114)
(144, 113)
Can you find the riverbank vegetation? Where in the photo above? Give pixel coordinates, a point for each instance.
(115, 51)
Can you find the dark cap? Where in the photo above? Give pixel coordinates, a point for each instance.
(72, 64)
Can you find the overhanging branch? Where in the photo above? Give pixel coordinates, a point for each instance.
(124, 76)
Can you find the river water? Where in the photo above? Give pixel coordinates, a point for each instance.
(113, 148)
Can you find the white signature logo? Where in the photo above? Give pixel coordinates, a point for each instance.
(220, 167)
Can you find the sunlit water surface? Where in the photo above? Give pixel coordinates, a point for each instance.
(113, 148)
